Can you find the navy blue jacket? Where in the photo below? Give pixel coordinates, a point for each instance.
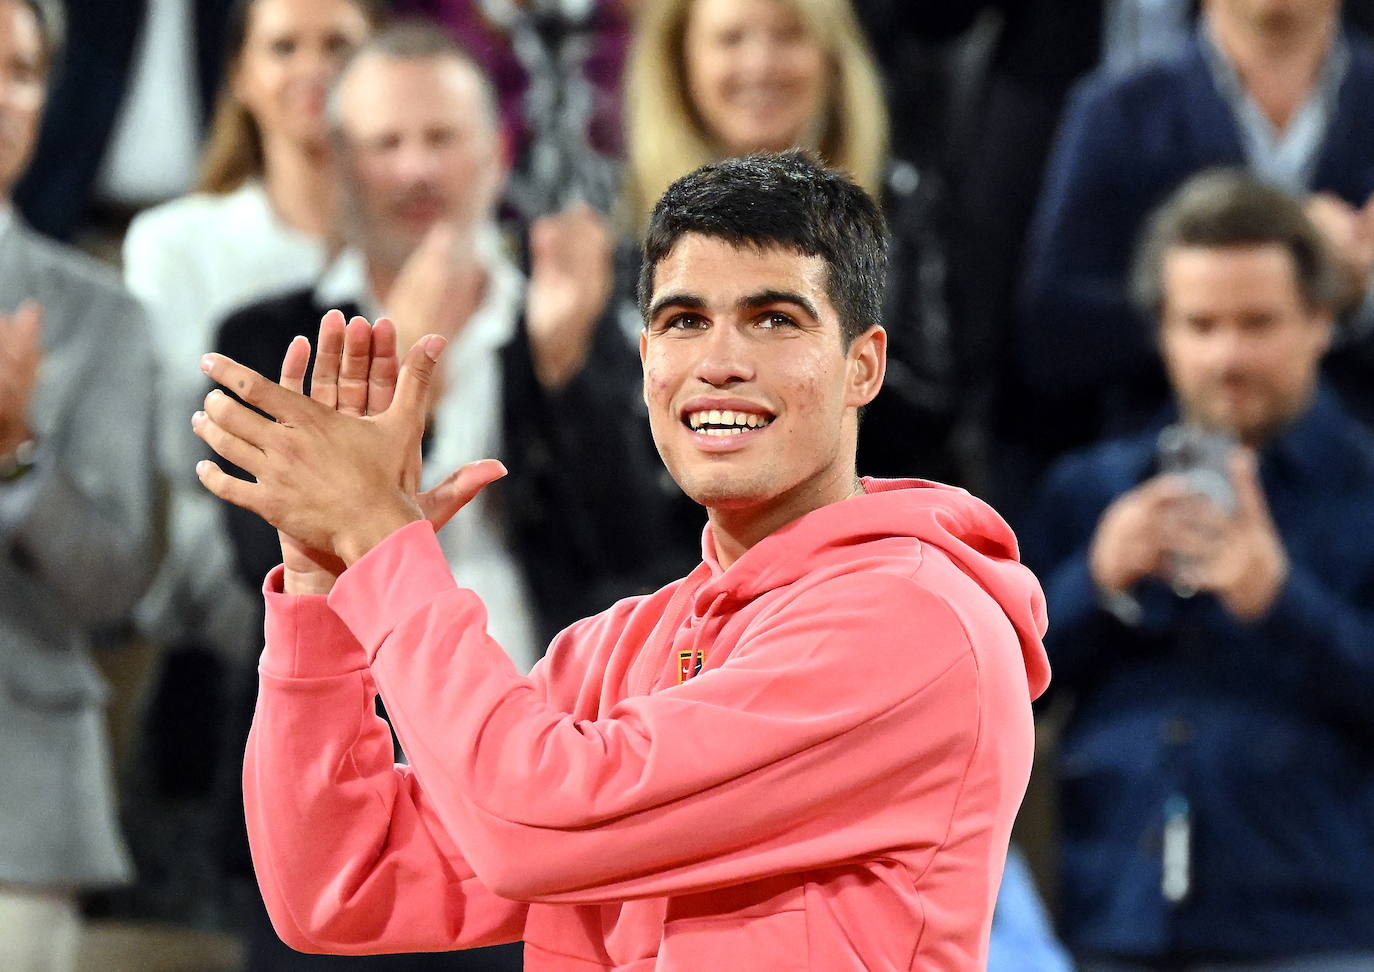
(1125, 143)
(1267, 729)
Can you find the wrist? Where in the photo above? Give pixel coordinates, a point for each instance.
(316, 581)
(354, 544)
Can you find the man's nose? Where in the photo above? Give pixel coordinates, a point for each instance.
(726, 357)
(417, 162)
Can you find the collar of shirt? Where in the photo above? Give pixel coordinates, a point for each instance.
(6, 218)
(1287, 158)
(1310, 449)
(491, 325)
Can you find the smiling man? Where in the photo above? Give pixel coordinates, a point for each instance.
(806, 754)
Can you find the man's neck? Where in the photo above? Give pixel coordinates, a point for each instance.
(734, 531)
(448, 311)
(300, 185)
(1278, 62)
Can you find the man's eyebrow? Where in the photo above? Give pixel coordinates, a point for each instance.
(680, 299)
(765, 297)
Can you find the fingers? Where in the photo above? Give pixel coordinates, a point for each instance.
(238, 420)
(227, 487)
(353, 370)
(381, 378)
(1250, 503)
(324, 381)
(417, 375)
(294, 363)
(247, 457)
(458, 489)
(254, 388)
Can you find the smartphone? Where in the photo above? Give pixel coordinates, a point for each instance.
(1203, 459)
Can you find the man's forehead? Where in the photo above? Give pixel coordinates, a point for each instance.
(380, 91)
(720, 270)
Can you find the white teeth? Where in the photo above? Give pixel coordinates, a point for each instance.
(731, 420)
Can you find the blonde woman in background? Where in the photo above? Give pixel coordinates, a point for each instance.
(259, 223)
(710, 79)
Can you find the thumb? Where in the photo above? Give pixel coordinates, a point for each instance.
(1250, 503)
(458, 489)
(417, 375)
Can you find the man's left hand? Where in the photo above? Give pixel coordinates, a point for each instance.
(1238, 557)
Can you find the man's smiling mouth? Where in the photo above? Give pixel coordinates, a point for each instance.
(719, 422)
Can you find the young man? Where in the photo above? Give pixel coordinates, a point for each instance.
(805, 754)
(1220, 653)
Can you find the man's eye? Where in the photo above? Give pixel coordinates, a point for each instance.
(283, 47)
(775, 321)
(684, 322)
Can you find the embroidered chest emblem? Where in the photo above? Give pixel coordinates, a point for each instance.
(689, 663)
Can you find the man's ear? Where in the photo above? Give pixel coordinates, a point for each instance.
(1325, 323)
(643, 353)
(867, 364)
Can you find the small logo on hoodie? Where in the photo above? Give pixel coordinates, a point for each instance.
(689, 663)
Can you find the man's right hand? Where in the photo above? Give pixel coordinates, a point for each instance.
(356, 370)
(21, 350)
(1131, 542)
(355, 373)
(1349, 233)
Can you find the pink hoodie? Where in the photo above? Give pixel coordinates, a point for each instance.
(833, 789)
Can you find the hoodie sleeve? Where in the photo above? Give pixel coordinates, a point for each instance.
(745, 771)
(337, 831)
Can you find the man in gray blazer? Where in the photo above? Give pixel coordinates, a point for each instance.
(76, 498)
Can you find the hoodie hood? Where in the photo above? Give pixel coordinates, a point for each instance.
(965, 528)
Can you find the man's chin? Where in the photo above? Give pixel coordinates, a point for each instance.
(723, 493)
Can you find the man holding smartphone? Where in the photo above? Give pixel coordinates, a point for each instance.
(1219, 649)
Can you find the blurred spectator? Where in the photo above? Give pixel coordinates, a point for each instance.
(1212, 622)
(420, 150)
(76, 498)
(258, 226)
(1276, 85)
(124, 122)
(709, 79)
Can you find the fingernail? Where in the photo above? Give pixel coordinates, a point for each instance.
(433, 345)
(197, 418)
(202, 466)
(206, 363)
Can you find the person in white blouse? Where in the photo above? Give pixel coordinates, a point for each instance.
(259, 223)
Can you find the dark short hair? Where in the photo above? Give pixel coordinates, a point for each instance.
(1231, 208)
(786, 200)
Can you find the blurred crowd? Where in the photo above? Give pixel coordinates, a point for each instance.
(1129, 304)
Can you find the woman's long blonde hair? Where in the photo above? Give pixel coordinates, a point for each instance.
(233, 147)
(664, 138)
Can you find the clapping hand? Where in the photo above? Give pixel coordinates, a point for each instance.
(570, 285)
(21, 351)
(337, 471)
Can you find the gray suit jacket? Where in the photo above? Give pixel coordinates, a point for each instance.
(76, 550)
